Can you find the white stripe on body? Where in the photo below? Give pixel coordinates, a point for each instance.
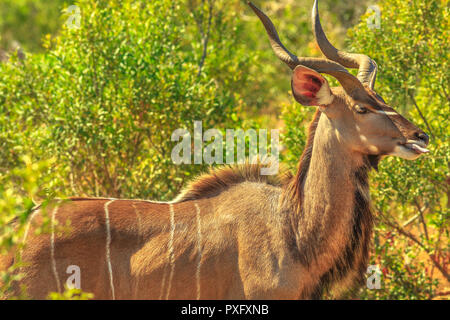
(52, 249)
(108, 244)
(199, 247)
(171, 254)
(139, 223)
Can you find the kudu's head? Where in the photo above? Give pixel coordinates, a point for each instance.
(358, 115)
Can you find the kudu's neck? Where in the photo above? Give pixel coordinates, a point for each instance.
(322, 196)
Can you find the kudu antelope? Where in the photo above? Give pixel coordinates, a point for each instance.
(232, 233)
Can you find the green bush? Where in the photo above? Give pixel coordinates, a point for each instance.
(104, 99)
(15, 209)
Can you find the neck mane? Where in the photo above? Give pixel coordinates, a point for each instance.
(330, 214)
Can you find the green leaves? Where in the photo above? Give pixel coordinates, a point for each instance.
(109, 95)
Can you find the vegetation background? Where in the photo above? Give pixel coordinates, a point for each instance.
(90, 110)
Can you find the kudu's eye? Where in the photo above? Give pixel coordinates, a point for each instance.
(361, 110)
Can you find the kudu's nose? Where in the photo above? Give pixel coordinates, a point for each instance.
(422, 136)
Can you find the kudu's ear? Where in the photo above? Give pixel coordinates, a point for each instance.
(310, 88)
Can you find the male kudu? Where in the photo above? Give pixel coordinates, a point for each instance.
(233, 233)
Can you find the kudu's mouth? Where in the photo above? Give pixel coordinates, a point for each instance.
(415, 146)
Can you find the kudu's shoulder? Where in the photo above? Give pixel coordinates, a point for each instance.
(220, 179)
